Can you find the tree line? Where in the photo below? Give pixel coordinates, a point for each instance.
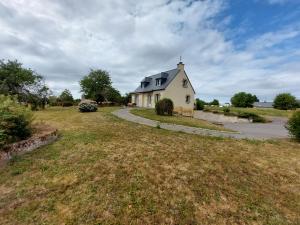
(31, 89)
(283, 101)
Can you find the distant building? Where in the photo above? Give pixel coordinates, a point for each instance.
(263, 104)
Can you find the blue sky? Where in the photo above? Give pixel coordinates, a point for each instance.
(227, 45)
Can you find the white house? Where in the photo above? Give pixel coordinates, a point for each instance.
(173, 84)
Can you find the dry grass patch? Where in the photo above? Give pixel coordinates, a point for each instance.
(107, 171)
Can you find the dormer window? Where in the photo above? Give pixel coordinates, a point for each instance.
(158, 82)
(184, 83)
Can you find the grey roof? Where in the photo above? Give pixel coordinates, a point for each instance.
(167, 77)
(263, 104)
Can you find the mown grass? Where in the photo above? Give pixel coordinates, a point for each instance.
(259, 111)
(104, 170)
(180, 120)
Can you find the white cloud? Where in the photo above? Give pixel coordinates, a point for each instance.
(64, 39)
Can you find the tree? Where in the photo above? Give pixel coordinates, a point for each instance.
(243, 99)
(126, 99)
(285, 101)
(97, 86)
(26, 84)
(199, 104)
(66, 98)
(113, 95)
(214, 102)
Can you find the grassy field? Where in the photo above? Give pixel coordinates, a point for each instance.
(104, 170)
(259, 111)
(181, 120)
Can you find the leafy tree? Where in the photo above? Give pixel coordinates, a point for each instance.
(243, 99)
(97, 86)
(285, 101)
(66, 98)
(126, 99)
(24, 83)
(113, 95)
(214, 102)
(200, 104)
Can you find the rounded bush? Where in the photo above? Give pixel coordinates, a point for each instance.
(293, 125)
(199, 104)
(88, 106)
(164, 107)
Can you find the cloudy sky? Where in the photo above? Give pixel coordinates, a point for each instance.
(226, 45)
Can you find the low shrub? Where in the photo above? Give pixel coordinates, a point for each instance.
(252, 116)
(293, 125)
(164, 107)
(15, 121)
(199, 104)
(88, 106)
(226, 110)
(67, 104)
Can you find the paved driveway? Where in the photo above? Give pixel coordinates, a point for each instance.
(275, 129)
(251, 131)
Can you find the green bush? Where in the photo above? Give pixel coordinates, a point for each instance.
(15, 121)
(285, 101)
(199, 104)
(88, 106)
(252, 116)
(293, 125)
(226, 110)
(164, 107)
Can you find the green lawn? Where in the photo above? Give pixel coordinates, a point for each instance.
(180, 120)
(259, 111)
(104, 170)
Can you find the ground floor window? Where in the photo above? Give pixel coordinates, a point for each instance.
(149, 99)
(157, 97)
(187, 99)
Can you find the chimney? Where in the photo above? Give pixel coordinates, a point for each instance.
(180, 66)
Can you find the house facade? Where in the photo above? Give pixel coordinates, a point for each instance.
(173, 84)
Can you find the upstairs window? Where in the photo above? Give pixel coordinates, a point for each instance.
(187, 99)
(158, 82)
(184, 83)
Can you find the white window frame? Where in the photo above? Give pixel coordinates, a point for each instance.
(158, 82)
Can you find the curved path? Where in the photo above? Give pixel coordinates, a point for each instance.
(126, 115)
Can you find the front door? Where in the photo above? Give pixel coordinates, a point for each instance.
(137, 100)
(149, 99)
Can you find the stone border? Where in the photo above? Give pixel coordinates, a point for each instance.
(46, 137)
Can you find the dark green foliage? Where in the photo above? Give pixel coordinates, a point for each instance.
(126, 99)
(164, 107)
(66, 98)
(285, 101)
(26, 84)
(88, 106)
(15, 121)
(113, 95)
(226, 110)
(293, 125)
(214, 102)
(199, 104)
(252, 116)
(243, 99)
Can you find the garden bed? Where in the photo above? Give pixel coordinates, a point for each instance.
(43, 135)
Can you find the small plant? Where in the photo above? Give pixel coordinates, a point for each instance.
(158, 126)
(293, 125)
(252, 116)
(164, 107)
(88, 106)
(226, 110)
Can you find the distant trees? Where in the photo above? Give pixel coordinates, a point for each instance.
(214, 102)
(285, 101)
(66, 98)
(243, 99)
(97, 86)
(26, 84)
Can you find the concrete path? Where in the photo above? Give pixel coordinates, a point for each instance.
(126, 115)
